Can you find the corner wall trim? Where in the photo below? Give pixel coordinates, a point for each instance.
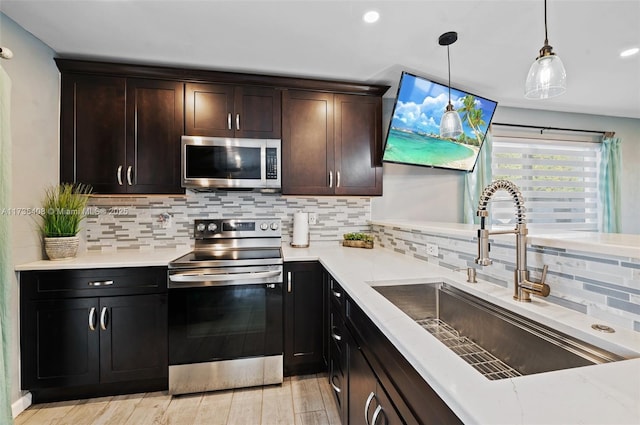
(21, 404)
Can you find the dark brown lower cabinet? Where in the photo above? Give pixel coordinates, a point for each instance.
(303, 318)
(77, 346)
(372, 382)
(368, 401)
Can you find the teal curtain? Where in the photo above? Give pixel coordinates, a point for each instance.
(6, 266)
(609, 182)
(477, 180)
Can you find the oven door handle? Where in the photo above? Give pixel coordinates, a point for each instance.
(230, 277)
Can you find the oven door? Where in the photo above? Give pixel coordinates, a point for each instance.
(224, 320)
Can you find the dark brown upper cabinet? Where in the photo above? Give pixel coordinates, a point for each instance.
(121, 126)
(331, 144)
(225, 110)
(121, 135)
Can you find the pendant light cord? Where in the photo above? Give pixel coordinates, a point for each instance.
(449, 66)
(546, 38)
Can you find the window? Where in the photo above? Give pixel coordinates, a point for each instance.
(558, 178)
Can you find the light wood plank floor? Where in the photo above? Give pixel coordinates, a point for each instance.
(300, 400)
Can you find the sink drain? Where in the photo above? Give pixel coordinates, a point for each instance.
(603, 328)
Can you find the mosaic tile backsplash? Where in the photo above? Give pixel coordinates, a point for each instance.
(605, 287)
(148, 222)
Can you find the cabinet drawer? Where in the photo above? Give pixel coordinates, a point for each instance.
(337, 297)
(338, 381)
(337, 332)
(93, 282)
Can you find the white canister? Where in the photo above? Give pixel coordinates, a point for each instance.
(300, 237)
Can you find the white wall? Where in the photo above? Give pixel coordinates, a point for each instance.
(35, 135)
(426, 194)
(409, 192)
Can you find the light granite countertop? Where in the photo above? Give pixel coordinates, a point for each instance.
(623, 245)
(606, 394)
(104, 260)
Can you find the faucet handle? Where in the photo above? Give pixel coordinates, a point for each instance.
(544, 273)
(542, 288)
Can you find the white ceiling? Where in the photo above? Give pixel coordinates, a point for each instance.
(498, 41)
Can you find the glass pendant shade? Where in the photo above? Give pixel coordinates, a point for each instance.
(450, 125)
(547, 78)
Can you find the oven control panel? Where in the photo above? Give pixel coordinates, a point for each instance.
(237, 228)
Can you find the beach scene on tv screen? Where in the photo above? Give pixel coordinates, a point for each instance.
(414, 133)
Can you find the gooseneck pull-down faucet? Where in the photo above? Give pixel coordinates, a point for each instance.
(523, 287)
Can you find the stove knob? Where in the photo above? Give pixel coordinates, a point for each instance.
(264, 226)
(212, 227)
(274, 226)
(200, 227)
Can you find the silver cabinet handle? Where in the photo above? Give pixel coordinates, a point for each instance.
(377, 413)
(229, 121)
(103, 319)
(92, 318)
(334, 386)
(330, 178)
(129, 175)
(334, 335)
(101, 283)
(336, 294)
(119, 175)
(337, 178)
(289, 282)
(372, 395)
(237, 121)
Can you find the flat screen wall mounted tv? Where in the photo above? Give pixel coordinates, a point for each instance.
(414, 130)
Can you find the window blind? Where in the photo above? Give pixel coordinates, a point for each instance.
(558, 180)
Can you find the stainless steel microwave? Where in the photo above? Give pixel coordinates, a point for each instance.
(210, 163)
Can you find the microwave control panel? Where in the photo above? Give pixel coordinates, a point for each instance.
(272, 163)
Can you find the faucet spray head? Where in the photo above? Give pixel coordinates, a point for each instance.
(483, 240)
(483, 248)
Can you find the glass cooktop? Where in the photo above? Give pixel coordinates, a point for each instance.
(228, 256)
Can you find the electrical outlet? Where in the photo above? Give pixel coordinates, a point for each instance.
(432, 249)
(313, 218)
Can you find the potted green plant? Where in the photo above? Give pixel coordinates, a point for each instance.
(357, 240)
(63, 209)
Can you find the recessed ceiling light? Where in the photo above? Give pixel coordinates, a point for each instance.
(371, 16)
(629, 52)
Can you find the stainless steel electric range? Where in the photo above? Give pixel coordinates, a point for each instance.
(225, 307)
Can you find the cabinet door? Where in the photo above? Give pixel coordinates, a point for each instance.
(59, 343)
(154, 127)
(368, 402)
(303, 318)
(257, 112)
(209, 110)
(362, 388)
(358, 145)
(307, 143)
(133, 338)
(93, 135)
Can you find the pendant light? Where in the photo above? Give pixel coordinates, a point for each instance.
(450, 124)
(547, 77)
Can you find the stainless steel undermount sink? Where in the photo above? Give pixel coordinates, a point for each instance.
(496, 342)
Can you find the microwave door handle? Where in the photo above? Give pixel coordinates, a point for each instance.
(191, 278)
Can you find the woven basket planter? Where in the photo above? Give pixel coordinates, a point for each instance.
(358, 244)
(61, 248)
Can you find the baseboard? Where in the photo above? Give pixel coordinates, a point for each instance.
(21, 404)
